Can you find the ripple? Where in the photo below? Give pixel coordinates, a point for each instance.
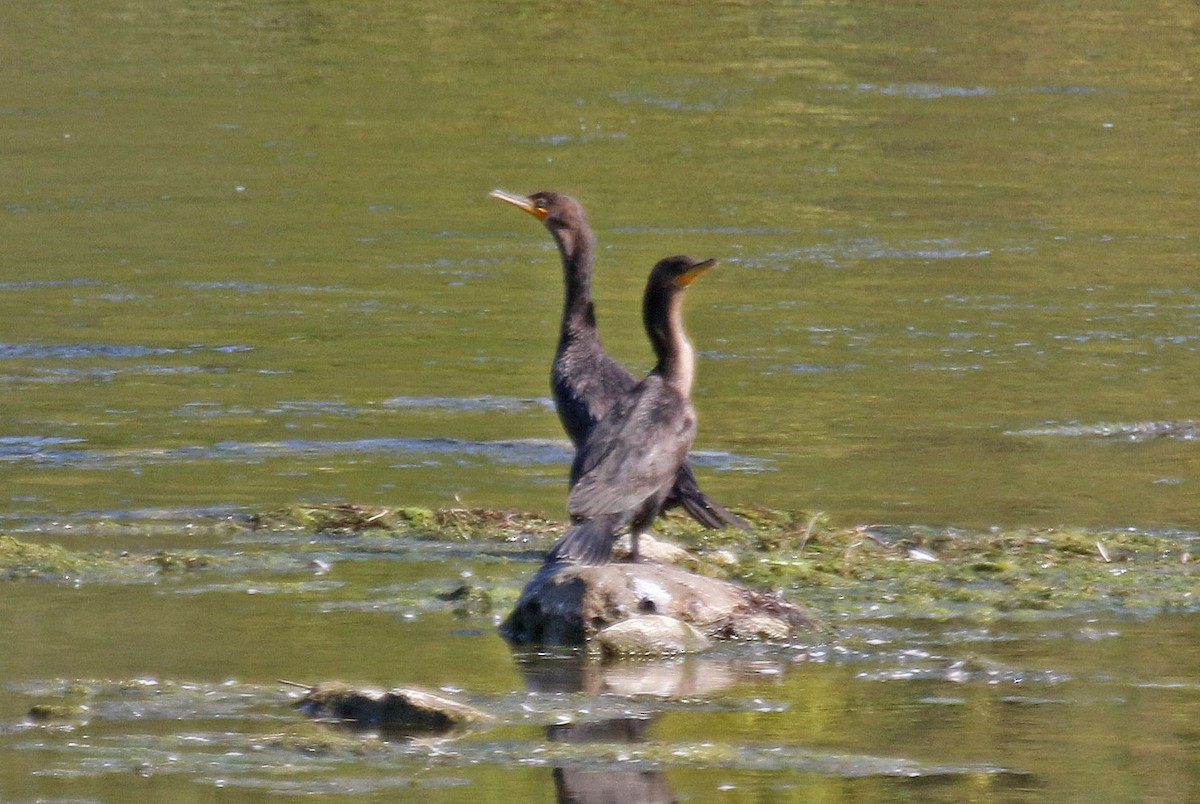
(76, 351)
(563, 139)
(510, 451)
(669, 102)
(22, 446)
(258, 287)
(48, 283)
(918, 90)
(72, 351)
(334, 407)
(926, 91)
(50, 452)
(107, 373)
(1117, 431)
(820, 368)
(839, 254)
(506, 404)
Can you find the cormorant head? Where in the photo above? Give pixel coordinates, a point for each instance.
(556, 210)
(677, 272)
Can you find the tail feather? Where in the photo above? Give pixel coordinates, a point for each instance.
(589, 543)
(711, 514)
(704, 509)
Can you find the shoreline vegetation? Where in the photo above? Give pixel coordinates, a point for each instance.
(840, 572)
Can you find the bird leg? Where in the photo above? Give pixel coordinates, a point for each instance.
(634, 555)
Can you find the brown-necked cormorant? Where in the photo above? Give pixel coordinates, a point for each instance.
(585, 379)
(627, 466)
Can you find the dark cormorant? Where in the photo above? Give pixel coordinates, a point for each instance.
(629, 462)
(585, 380)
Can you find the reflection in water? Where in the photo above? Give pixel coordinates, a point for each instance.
(609, 730)
(608, 784)
(594, 786)
(676, 677)
(613, 783)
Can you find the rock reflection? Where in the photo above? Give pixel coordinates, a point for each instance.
(594, 786)
(610, 784)
(676, 677)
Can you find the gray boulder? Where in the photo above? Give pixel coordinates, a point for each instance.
(568, 604)
(650, 635)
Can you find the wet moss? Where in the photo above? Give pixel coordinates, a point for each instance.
(318, 740)
(69, 703)
(864, 571)
(29, 560)
(47, 712)
(469, 600)
(181, 562)
(20, 559)
(445, 524)
(855, 571)
(918, 571)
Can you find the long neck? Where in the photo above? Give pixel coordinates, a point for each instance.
(662, 314)
(576, 246)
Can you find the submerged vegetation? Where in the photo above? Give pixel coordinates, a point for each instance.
(863, 571)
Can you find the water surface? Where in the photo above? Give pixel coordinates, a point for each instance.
(249, 260)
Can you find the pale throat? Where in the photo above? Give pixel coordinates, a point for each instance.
(680, 371)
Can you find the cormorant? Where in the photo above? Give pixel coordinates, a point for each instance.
(585, 379)
(629, 462)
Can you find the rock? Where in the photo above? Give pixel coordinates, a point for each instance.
(759, 626)
(650, 635)
(653, 550)
(567, 604)
(40, 713)
(404, 709)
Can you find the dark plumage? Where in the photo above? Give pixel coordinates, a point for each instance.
(628, 464)
(585, 380)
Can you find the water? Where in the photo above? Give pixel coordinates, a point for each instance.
(249, 260)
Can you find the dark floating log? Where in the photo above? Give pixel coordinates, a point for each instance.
(568, 604)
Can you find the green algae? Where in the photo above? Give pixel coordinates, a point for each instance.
(839, 571)
(861, 571)
(445, 524)
(23, 560)
(469, 600)
(943, 573)
(316, 739)
(19, 559)
(56, 712)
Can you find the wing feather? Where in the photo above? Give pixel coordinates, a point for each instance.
(633, 452)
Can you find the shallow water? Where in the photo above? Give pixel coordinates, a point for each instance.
(249, 260)
(182, 696)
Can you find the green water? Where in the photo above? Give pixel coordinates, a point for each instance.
(249, 260)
